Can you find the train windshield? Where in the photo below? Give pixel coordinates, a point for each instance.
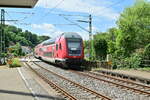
(74, 47)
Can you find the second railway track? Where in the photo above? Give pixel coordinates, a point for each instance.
(115, 92)
(136, 87)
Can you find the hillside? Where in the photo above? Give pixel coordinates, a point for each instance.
(24, 38)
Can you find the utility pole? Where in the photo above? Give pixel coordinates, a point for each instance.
(2, 38)
(90, 37)
(90, 47)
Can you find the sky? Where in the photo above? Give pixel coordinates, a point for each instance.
(45, 19)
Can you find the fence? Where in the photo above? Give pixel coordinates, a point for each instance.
(97, 64)
(145, 63)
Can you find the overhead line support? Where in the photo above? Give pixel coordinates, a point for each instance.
(2, 38)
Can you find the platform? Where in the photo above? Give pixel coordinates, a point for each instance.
(12, 87)
(134, 75)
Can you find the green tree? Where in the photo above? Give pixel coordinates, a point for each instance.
(100, 47)
(16, 50)
(147, 52)
(134, 25)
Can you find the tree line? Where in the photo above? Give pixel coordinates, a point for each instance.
(129, 42)
(16, 37)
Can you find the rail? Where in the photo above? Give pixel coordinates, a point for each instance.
(78, 85)
(117, 84)
(52, 84)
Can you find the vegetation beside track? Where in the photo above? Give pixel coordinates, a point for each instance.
(17, 38)
(128, 44)
(14, 62)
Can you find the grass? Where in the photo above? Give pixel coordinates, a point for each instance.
(145, 69)
(140, 68)
(14, 62)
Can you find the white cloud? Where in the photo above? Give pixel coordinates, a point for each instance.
(85, 35)
(96, 7)
(7, 23)
(48, 29)
(52, 31)
(44, 26)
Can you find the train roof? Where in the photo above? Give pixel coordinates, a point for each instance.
(49, 41)
(65, 35)
(70, 35)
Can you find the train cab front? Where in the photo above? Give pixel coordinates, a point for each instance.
(75, 51)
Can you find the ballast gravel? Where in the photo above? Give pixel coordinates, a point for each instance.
(115, 93)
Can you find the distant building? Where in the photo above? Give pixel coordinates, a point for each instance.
(26, 49)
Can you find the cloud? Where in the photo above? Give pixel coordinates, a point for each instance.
(83, 6)
(47, 29)
(7, 23)
(44, 26)
(52, 31)
(85, 35)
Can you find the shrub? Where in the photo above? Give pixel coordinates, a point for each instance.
(147, 52)
(14, 62)
(133, 61)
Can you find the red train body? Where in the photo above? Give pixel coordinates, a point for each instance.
(66, 49)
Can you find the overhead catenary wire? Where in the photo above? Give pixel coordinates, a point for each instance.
(11, 18)
(30, 24)
(75, 23)
(20, 12)
(63, 15)
(28, 14)
(52, 9)
(71, 15)
(114, 4)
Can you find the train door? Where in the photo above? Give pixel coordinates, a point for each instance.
(53, 55)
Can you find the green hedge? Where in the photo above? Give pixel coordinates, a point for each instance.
(14, 62)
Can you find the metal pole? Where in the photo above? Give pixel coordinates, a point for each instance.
(3, 25)
(2, 36)
(90, 37)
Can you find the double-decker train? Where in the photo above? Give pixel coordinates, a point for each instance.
(67, 49)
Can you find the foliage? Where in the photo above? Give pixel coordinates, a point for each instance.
(111, 47)
(100, 47)
(16, 50)
(14, 62)
(24, 38)
(134, 61)
(147, 52)
(127, 42)
(42, 38)
(134, 25)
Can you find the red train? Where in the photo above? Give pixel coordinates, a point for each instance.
(67, 49)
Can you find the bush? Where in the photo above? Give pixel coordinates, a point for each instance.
(133, 61)
(147, 52)
(14, 62)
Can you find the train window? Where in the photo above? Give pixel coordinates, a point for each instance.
(56, 46)
(47, 54)
(60, 46)
(40, 49)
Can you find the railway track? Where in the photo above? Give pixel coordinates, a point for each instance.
(135, 87)
(69, 88)
(112, 91)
